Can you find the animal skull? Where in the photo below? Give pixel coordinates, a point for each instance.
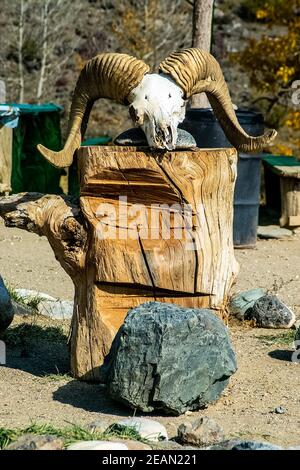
(157, 101)
(157, 106)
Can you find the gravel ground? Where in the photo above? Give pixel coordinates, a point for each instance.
(31, 390)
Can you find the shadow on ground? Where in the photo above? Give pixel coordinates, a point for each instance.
(281, 355)
(90, 397)
(36, 349)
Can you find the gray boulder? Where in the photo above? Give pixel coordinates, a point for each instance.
(270, 312)
(170, 358)
(136, 136)
(6, 307)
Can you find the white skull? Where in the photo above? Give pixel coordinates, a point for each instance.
(157, 106)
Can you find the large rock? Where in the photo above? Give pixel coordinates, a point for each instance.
(136, 136)
(270, 312)
(6, 307)
(170, 358)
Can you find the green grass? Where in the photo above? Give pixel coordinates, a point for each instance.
(69, 434)
(286, 338)
(26, 333)
(30, 301)
(58, 377)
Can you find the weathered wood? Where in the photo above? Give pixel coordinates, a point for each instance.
(5, 159)
(170, 238)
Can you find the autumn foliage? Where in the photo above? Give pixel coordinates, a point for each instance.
(273, 65)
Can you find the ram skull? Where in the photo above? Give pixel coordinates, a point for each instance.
(156, 101)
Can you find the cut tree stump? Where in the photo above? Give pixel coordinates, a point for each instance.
(150, 226)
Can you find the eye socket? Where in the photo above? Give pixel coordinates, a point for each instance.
(146, 97)
(170, 96)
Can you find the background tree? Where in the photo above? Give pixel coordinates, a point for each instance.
(273, 64)
(202, 38)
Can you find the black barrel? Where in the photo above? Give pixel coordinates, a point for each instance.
(203, 125)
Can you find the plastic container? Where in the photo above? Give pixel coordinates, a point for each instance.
(206, 130)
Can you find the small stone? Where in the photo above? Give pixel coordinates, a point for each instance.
(6, 307)
(28, 295)
(97, 445)
(22, 309)
(99, 425)
(273, 231)
(203, 431)
(132, 445)
(240, 303)
(270, 312)
(280, 410)
(35, 442)
(136, 137)
(147, 428)
(58, 309)
(46, 305)
(244, 445)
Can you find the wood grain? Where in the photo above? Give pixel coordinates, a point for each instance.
(170, 240)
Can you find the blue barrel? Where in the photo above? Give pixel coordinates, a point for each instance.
(203, 125)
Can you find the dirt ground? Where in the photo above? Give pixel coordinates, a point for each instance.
(266, 377)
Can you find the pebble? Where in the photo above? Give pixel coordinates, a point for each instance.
(280, 410)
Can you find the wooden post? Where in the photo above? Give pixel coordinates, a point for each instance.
(202, 33)
(169, 238)
(6, 141)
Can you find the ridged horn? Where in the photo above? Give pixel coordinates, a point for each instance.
(108, 75)
(196, 71)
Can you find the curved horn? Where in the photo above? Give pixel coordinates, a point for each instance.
(108, 75)
(196, 71)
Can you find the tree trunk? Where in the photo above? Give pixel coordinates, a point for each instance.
(45, 19)
(202, 32)
(151, 226)
(20, 51)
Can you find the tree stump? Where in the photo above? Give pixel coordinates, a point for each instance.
(150, 226)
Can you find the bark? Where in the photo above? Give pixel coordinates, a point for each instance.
(20, 51)
(202, 33)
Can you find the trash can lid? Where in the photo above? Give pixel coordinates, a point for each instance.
(35, 108)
